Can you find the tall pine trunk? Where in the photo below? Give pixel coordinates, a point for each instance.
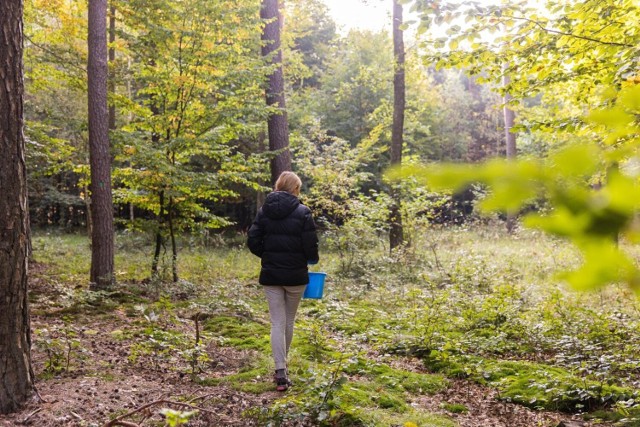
(16, 385)
(510, 137)
(112, 60)
(277, 121)
(396, 234)
(102, 249)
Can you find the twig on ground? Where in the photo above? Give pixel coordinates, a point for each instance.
(28, 417)
(125, 424)
(118, 420)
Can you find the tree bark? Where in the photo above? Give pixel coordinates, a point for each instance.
(396, 233)
(277, 121)
(102, 249)
(112, 59)
(16, 384)
(510, 137)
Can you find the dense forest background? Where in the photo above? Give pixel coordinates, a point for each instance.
(206, 143)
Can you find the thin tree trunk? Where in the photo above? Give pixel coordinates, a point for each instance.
(156, 254)
(16, 385)
(277, 122)
(174, 248)
(87, 206)
(510, 137)
(102, 249)
(396, 234)
(261, 197)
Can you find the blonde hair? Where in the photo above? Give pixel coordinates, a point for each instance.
(289, 182)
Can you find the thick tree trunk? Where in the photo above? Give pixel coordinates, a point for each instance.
(277, 122)
(16, 384)
(396, 234)
(102, 250)
(510, 137)
(112, 59)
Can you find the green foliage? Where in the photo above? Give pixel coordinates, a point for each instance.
(547, 46)
(309, 35)
(571, 57)
(175, 418)
(61, 344)
(591, 219)
(193, 63)
(332, 171)
(55, 110)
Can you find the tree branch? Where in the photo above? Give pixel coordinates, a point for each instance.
(562, 33)
(55, 55)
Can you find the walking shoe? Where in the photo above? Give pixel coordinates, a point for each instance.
(281, 380)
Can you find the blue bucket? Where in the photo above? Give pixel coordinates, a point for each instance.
(315, 288)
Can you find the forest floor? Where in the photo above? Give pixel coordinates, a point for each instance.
(103, 384)
(128, 356)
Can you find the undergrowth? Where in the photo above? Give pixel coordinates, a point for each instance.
(464, 303)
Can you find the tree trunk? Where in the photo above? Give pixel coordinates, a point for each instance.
(510, 138)
(112, 59)
(277, 121)
(262, 196)
(16, 385)
(102, 250)
(396, 234)
(174, 248)
(87, 206)
(156, 254)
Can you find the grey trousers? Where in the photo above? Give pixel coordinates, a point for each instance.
(283, 304)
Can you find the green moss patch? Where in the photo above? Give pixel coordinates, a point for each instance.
(411, 382)
(410, 418)
(369, 394)
(455, 408)
(240, 333)
(251, 381)
(534, 385)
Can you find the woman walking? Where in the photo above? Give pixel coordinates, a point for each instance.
(284, 236)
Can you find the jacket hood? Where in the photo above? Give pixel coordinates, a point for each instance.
(280, 204)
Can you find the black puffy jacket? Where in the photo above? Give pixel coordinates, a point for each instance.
(284, 236)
